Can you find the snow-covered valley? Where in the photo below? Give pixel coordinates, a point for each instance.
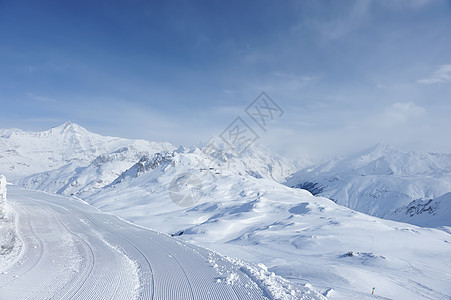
(238, 206)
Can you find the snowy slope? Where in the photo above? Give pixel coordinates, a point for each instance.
(296, 235)
(72, 251)
(430, 213)
(256, 161)
(380, 181)
(85, 177)
(235, 204)
(82, 179)
(25, 153)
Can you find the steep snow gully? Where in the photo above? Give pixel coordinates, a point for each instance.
(72, 251)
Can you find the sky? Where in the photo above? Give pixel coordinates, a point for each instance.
(345, 74)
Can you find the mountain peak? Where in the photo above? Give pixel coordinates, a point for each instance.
(374, 152)
(70, 127)
(379, 149)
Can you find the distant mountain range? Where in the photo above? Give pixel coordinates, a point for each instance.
(380, 181)
(25, 153)
(70, 160)
(384, 182)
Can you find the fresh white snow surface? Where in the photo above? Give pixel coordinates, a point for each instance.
(300, 237)
(73, 251)
(234, 204)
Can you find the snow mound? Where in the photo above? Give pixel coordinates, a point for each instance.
(274, 286)
(2, 190)
(9, 241)
(5, 213)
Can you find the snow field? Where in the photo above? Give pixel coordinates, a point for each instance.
(241, 211)
(297, 236)
(71, 250)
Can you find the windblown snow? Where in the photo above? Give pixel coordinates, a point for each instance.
(288, 243)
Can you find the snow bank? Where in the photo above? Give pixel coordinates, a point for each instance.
(2, 196)
(274, 286)
(9, 242)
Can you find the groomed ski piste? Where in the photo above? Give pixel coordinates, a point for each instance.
(66, 249)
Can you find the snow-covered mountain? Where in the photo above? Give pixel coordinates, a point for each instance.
(81, 177)
(430, 213)
(85, 177)
(25, 153)
(384, 182)
(212, 197)
(307, 239)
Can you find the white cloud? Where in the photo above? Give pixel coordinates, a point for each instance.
(441, 75)
(406, 4)
(341, 25)
(281, 84)
(401, 112)
(42, 98)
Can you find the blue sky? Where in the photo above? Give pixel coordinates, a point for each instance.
(348, 74)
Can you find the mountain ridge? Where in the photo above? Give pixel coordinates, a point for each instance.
(379, 180)
(24, 153)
